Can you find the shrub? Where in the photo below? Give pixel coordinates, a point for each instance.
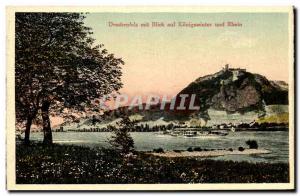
(252, 144)
(190, 149)
(241, 149)
(230, 149)
(197, 149)
(158, 150)
(121, 139)
(178, 151)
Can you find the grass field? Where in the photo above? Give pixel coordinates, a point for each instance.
(62, 164)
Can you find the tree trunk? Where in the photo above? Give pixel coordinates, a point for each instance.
(27, 130)
(46, 123)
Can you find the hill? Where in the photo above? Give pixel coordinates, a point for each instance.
(231, 90)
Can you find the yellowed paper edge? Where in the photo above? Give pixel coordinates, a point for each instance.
(10, 103)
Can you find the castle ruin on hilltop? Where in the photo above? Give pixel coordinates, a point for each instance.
(236, 72)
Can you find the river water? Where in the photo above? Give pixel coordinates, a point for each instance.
(277, 142)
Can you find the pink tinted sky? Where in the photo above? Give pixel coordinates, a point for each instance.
(165, 60)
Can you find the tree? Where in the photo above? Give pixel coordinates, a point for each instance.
(59, 68)
(121, 140)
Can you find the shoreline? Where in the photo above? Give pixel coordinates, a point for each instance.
(215, 153)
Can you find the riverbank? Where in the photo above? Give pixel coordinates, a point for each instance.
(64, 164)
(213, 153)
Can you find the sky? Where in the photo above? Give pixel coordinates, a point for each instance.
(164, 60)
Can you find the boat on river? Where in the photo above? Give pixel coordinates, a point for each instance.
(197, 132)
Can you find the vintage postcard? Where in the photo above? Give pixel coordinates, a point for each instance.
(150, 98)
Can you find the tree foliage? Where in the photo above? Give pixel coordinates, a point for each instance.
(59, 66)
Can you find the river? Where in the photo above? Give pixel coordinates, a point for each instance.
(277, 142)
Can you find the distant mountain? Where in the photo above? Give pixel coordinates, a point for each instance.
(231, 90)
(236, 90)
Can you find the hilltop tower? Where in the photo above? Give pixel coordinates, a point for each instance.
(226, 67)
